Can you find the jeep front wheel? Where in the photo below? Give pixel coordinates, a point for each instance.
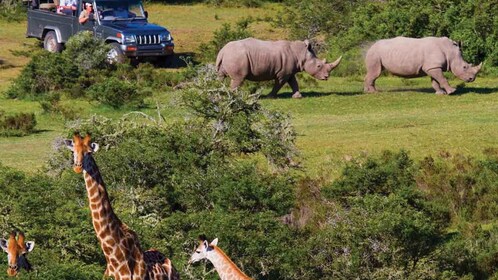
(115, 55)
(50, 43)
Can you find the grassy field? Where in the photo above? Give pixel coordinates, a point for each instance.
(335, 120)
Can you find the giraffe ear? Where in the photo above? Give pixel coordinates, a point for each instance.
(95, 147)
(30, 245)
(214, 242)
(3, 244)
(69, 144)
(206, 245)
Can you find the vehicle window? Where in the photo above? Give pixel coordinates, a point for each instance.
(119, 10)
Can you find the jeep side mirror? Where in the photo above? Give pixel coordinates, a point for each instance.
(146, 14)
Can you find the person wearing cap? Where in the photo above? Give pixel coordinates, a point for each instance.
(85, 14)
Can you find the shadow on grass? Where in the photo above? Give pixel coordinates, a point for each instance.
(177, 61)
(460, 90)
(312, 94)
(485, 90)
(7, 133)
(420, 90)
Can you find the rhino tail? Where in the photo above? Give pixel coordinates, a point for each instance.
(219, 60)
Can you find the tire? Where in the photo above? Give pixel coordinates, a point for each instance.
(115, 55)
(50, 43)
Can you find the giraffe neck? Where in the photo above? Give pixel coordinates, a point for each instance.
(227, 270)
(105, 222)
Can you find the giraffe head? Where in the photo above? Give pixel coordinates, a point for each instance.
(203, 250)
(16, 252)
(80, 147)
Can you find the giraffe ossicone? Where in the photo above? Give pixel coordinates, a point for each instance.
(16, 250)
(226, 268)
(125, 258)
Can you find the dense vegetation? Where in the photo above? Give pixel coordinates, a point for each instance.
(230, 169)
(348, 27)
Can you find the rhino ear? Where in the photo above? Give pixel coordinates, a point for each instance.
(307, 43)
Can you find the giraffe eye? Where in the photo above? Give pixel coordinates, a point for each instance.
(198, 251)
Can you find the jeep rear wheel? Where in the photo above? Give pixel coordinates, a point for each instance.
(50, 43)
(115, 55)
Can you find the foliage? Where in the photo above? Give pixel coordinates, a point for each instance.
(51, 105)
(464, 185)
(44, 73)
(12, 10)
(87, 52)
(235, 3)
(17, 125)
(239, 122)
(349, 25)
(118, 93)
(208, 51)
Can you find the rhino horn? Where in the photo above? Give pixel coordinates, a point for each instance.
(335, 63)
(478, 67)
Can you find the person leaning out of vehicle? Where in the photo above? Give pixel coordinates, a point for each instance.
(67, 7)
(86, 13)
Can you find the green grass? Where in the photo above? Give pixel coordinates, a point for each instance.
(337, 121)
(334, 121)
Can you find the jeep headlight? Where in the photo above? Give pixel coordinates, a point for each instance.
(129, 39)
(165, 37)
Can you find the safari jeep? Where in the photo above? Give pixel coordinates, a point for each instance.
(120, 23)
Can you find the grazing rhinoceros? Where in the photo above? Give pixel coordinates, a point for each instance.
(410, 57)
(257, 60)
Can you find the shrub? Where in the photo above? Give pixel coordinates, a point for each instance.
(208, 51)
(239, 122)
(44, 73)
(463, 184)
(118, 93)
(236, 3)
(52, 105)
(17, 125)
(349, 25)
(12, 10)
(86, 52)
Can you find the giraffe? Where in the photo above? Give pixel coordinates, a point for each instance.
(16, 252)
(124, 256)
(225, 267)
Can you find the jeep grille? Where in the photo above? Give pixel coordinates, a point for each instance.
(148, 39)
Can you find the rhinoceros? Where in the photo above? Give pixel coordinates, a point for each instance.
(411, 57)
(257, 60)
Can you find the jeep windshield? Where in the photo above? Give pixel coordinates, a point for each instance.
(120, 10)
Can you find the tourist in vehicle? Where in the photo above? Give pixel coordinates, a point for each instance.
(67, 7)
(86, 13)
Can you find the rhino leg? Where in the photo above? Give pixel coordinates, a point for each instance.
(295, 87)
(374, 69)
(235, 83)
(437, 74)
(276, 87)
(437, 87)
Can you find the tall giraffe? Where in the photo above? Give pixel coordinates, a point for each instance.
(16, 252)
(124, 256)
(225, 267)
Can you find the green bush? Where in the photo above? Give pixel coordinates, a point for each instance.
(236, 3)
(44, 73)
(348, 27)
(465, 185)
(209, 51)
(12, 10)
(86, 52)
(118, 93)
(17, 125)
